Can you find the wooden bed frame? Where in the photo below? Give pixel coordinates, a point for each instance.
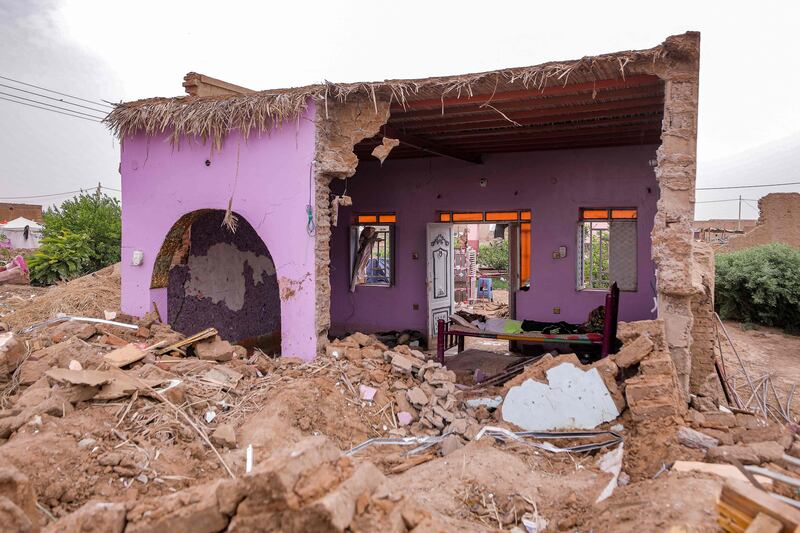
(447, 337)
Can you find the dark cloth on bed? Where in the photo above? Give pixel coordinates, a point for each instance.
(551, 328)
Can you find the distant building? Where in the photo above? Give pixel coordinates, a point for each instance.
(778, 221)
(9, 212)
(719, 230)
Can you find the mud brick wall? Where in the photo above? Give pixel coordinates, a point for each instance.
(778, 221)
(227, 281)
(339, 127)
(703, 330)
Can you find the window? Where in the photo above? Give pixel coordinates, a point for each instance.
(607, 248)
(372, 250)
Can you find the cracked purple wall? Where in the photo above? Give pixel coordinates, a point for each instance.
(252, 313)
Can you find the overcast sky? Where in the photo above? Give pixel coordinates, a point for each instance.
(749, 117)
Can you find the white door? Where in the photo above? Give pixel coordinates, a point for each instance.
(439, 252)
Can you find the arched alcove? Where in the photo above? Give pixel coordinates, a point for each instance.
(218, 278)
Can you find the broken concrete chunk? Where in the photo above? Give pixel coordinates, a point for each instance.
(417, 397)
(401, 363)
(404, 418)
(360, 339)
(572, 399)
(695, 439)
(72, 328)
(125, 356)
(89, 378)
(215, 349)
(768, 451)
(490, 402)
(718, 420)
(224, 436)
(367, 393)
(634, 352)
(723, 454)
(450, 444)
(93, 516)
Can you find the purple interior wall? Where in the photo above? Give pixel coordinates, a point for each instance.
(268, 177)
(553, 185)
(241, 300)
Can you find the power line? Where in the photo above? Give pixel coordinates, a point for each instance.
(56, 92)
(747, 186)
(51, 98)
(726, 200)
(48, 109)
(50, 105)
(56, 194)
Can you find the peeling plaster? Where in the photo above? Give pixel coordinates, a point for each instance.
(219, 275)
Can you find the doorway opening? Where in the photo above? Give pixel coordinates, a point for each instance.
(222, 279)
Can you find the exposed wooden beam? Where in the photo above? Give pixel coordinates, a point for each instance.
(434, 103)
(531, 119)
(459, 137)
(612, 95)
(430, 146)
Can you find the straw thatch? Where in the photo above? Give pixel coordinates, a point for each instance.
(212, 117)
(89, 295)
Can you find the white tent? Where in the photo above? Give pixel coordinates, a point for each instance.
(20, 233)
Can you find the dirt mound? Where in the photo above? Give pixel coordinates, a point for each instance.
(89, 295)
(306, 487)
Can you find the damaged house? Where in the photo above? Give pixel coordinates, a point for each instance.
(281, 217)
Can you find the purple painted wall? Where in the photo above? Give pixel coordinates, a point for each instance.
(554, 185)
(271, 190)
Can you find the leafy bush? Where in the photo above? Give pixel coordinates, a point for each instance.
(760, 285)
(61, 258)
(89, 225)
(493, 255)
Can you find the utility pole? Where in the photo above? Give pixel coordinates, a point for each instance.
(100, 186)
(739, 222)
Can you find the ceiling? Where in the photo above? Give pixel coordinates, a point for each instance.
(610, 112)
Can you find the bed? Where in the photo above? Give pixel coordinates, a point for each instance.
(449, 333)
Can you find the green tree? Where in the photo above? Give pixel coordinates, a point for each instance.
(98, 218)
(760, 285)
(61, 258)
(493, 255)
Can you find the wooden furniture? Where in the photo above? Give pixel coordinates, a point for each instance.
(449, 334)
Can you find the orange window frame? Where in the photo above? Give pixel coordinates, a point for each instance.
(508, 215)
(608, 213)
(375, 218)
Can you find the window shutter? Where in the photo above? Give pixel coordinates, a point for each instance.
(622, 254)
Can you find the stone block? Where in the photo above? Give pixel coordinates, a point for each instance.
(634, 352)
(724, 454)
(695, 439)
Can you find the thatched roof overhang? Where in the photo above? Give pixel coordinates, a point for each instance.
(604, 100)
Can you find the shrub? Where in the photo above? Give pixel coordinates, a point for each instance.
(760, 285)
(61, 258)
(494, 255)
(98, 218)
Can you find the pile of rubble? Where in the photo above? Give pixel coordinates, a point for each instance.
(419, 394)
(308, 487)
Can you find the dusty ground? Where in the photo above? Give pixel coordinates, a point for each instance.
(484, 486)
(765, 351)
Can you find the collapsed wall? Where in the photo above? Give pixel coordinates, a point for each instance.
(340, 125)
(703, 328)
(676, 168)
(778, 221)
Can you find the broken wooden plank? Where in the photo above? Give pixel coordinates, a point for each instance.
(764, 523)
(740, 498)
(197, 337)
